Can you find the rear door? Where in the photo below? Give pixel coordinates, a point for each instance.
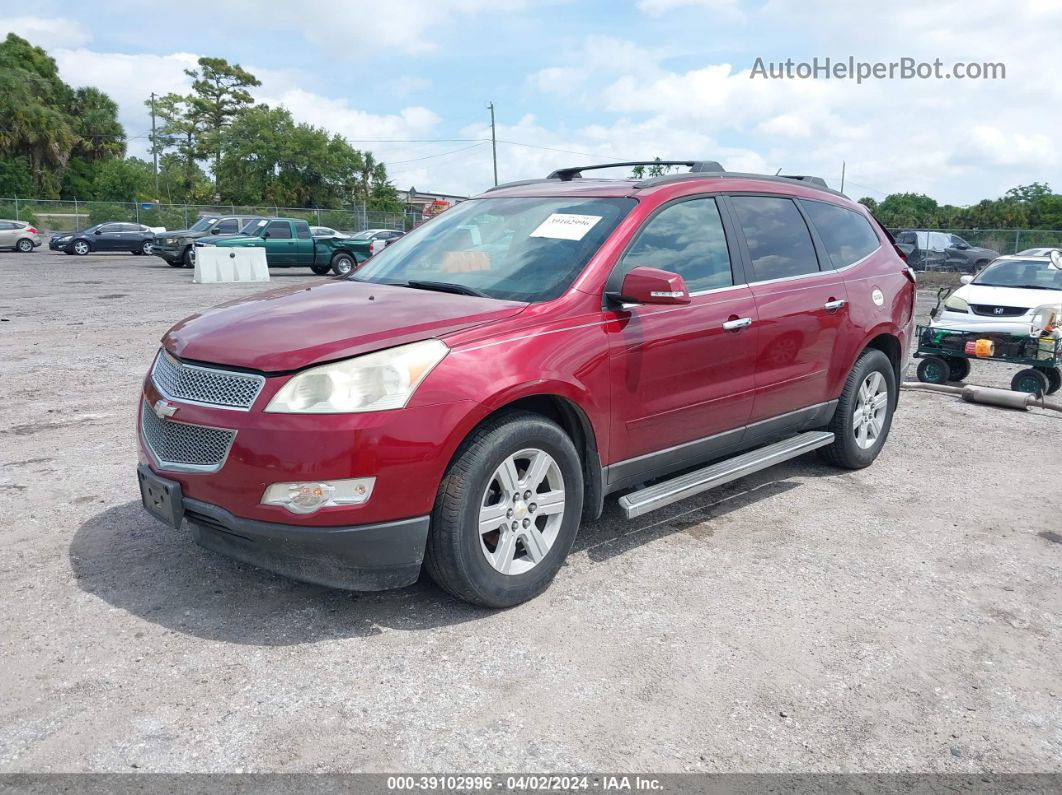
(7, 234)
(800, 307)
(680, 379)
(279, 244)
(304, 245)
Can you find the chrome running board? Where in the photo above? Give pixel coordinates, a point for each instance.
(666, 492)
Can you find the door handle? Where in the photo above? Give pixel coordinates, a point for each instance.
(738, 324)
(833, 306)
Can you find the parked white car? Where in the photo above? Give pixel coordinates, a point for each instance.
(1037, 252)
(379, 239)
(1013, 295)
(327, 231)
(19, 235)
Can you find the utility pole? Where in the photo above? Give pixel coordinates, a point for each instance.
(842, 176)
(493, 142)
(154, 146)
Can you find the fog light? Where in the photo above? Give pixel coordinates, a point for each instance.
(309, 497)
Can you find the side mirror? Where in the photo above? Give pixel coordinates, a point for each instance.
(653, 286)
(215, 231)
(962, 246)
(966, 279)
(265, 234)
(99, 231)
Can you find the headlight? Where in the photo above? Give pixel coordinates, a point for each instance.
(956, 304)
(375, 382)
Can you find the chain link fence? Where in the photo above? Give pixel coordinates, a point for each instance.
(72, 216)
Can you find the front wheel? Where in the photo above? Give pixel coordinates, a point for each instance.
(81, 247)
(343, 264)
(188, 258)
(507, 512)
(863, 416)
(1030, 380)
(24, 246)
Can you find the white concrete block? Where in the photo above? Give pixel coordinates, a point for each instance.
(221, 264)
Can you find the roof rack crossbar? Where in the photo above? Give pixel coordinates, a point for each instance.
(568, 174)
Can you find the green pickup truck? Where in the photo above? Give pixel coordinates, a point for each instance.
(288, 244)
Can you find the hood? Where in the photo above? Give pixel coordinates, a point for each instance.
(295, 327)
(222, 239)
(180, 233)
(1008, 296)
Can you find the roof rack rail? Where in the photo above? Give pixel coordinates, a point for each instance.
(804, 178)
(568, 174)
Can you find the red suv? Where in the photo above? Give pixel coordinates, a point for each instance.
(473, 392)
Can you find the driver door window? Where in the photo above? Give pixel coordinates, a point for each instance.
(686, 238)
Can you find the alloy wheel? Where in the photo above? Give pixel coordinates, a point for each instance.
(521, 511)
(871, 405)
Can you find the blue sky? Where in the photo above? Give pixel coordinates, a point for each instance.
(605, 80)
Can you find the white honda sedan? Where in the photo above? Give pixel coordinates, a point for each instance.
(1013, 295)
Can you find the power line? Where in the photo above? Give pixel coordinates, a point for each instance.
(437, 154)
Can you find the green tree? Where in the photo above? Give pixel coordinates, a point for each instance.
(95, 121)
(219, 93)
(179, 131)
(656, 170)
(131, 179)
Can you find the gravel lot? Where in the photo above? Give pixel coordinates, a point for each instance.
(901, 618)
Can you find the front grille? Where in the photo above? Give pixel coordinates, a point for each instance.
(206, 385)
(183, 447)
(991, 310)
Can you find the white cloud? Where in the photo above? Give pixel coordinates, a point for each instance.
(657, 8)
(47, 33)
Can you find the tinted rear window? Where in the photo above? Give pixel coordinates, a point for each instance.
(302, 229)
(778, 239)
(848, 236)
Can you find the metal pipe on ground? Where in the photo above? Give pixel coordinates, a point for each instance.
(1005, 398)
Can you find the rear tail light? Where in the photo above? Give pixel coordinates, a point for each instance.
(910, 274)
(32, 231)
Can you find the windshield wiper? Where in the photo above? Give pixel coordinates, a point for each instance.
(445, 287)
(1014, 286)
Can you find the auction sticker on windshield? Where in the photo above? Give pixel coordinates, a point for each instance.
(566, 226)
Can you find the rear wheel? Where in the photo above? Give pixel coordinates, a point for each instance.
(958, 368)
(1030, 380)
(145, 247)
(507, 512)
(933, 370)
(863, 416)
(321, 270)
(1054, 379)
(342, 264)
(24, 246)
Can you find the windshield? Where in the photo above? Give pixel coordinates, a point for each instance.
(522, 249)
(1029, 273)
(202, 224)
(363, 235)
(250, 227)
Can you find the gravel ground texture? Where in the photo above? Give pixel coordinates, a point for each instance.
(906, 617)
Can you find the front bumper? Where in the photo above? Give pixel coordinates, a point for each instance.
(170, 253)
(56, 246)
(368, 557)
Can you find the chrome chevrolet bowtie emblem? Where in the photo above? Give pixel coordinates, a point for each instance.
(163, 410)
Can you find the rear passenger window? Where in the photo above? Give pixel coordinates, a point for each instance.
(279, 229)
(302, 230)
(848, 236)
(685, 238)
(778, 239)
(229, 226)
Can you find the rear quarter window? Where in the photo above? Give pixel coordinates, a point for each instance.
(847, 236)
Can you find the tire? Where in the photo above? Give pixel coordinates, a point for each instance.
(145, 248)
(136, 252)
(321, 270)
(187, 258)
(178, 264)
(504, 567)
(1054, 379)
(958, 368)
(1030, 380)
(24, 246)
(80, 247)
(869, 394)
(343, 264)
(933, 370)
